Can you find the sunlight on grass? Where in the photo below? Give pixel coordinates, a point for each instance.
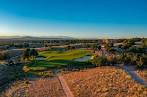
(57, 59)
(66, 55)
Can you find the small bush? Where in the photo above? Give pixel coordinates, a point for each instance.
(27, 82)
(99, 61)
(46, 74)
(26, 69)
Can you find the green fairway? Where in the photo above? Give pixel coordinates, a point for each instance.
(57, 59)
(65, 55)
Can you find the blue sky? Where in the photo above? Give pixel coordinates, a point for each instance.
(74, 18)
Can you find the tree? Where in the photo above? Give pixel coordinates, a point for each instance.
(33, 53)
(111, 50)
(123, 58)
(127, 59)
(134, 59)
(111, 44)
(99, 47)
(144, 43)
(69, 47)
(99, 61)
(94, 46)
(131, 41)
(25, 45)
(140, 62)
(26, 54)
(10, 62)
(108, 47)
(127, 44)
(112, 59)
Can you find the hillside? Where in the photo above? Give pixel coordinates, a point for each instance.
(103, 82)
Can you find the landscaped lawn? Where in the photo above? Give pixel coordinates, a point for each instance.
(65, 55)
(57, 59)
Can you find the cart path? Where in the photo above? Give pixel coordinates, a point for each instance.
(131, 71)
(65, 86)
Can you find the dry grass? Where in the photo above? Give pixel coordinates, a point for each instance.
(46, 88)
(103, 82)
(9, 73)
(17, 89)
(98, 82)
(142, 74)
(37, 88)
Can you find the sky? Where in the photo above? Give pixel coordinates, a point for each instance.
(74, 18)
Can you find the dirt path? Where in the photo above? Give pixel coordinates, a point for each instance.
(65, 86)
(131, 71)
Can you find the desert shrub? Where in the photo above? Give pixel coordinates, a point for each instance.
(46, 74)
(124, 58)
(110, 49)
(3, 56)
(140, 62)
(30, 53)
(134, 59)
(99, 61)
(126, 46)
(145, 60)
(127, 59)
(136, 50)
(112, 59)
(26, 69)
(121, 58)
(27, 82)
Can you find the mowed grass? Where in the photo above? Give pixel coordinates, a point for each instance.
(65, 55)
(57, 59)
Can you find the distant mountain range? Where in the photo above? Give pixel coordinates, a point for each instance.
(34, 37)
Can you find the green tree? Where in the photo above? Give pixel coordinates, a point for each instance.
(134, 59)
(33, 53)
(140, 62)
(122, 58)
(69, 47)
(99, 47)
(26, 54)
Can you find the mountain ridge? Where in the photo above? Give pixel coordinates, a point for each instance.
(35, 37)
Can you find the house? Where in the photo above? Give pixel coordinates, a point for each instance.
(137, 44)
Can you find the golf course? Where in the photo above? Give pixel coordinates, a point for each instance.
(57, 59)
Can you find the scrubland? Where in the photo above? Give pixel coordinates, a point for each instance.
(103, 82)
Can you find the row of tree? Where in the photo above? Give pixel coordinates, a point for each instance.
(140, 61)
(30, 53)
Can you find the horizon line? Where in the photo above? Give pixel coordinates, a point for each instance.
(56, 36)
